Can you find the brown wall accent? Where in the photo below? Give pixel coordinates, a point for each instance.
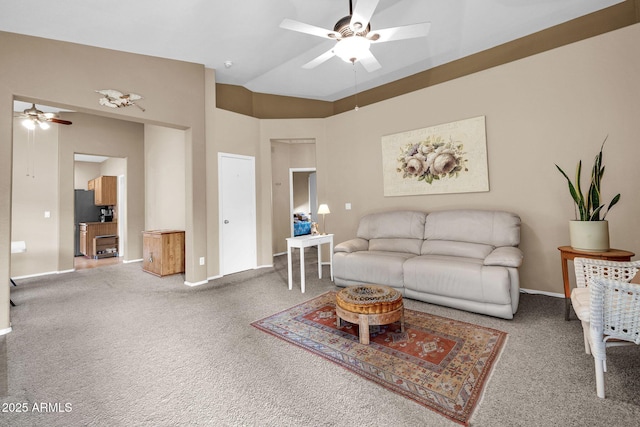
(265, 106)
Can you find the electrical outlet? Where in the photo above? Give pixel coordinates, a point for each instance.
(201, 260)
(347, 206)
(47, 214)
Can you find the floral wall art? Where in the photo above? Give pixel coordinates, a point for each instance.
(447, 158)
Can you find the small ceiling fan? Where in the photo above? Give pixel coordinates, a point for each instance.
(354, 35)
(33, 117)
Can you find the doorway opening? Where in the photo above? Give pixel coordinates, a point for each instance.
(99, 210)
(291, 158)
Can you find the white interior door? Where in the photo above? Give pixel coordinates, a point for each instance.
(237, 198)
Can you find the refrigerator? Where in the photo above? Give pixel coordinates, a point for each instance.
(84, 211)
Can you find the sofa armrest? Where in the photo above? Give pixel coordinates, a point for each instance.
(352, 245)
(505, 256)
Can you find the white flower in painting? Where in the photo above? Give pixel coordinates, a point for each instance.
(444, 163)
(432, 159)
(415, 167)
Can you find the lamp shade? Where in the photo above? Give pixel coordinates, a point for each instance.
(323, 209)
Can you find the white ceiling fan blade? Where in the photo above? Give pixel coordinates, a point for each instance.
(301, 27)
(369, 62)
(362, 14)
(400, 33)
(319, 60)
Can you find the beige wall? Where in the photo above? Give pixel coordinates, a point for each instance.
(164, 178)
(113, 166)
(35, 190)
(555, 107)
(83, 173)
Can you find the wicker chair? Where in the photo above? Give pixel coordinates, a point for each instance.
(608, 307)
(615, 320)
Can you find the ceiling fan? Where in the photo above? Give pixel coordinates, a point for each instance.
(32, 117)
(354, 35)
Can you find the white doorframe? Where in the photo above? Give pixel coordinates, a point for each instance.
(291, 171)
(251, 250)
(122, 215)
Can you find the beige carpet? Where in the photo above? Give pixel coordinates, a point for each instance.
(119, 347)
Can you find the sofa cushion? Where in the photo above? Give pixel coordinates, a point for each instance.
(462, 249)
(495, 228)
(377, 268)
(392, 225)
(457, 277)
(411, 246)
(505, 256)
(352, 245)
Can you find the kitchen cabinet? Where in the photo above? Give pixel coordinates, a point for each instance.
(105, 190)
(88, 233)
(163, 252)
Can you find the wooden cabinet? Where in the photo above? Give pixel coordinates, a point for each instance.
(163, 252)
(105, 190)
(105, 246)
(88, 233)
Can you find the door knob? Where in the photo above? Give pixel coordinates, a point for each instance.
(226, 221)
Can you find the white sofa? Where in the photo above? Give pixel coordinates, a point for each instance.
(466, 259)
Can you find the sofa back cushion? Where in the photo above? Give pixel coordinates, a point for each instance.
(494, 228)
(392, 225)
(409, 246)
(396, 231)
(459, 249)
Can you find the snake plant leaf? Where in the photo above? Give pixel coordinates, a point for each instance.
(589, 207)
(613, 202)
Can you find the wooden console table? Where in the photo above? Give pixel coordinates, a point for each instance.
(568, 253)
(305, 242)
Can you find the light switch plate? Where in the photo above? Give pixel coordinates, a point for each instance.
(347, 206)
(201, 260)
(47, 214)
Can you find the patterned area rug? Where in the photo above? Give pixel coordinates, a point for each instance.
(440, 363)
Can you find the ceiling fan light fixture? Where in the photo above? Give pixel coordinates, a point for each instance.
(29, 124)
(43, 125)
(351, 49)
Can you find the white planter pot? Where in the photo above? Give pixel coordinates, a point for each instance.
(589, 236)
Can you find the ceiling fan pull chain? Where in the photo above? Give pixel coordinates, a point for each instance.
(355, 83)
(31, 142)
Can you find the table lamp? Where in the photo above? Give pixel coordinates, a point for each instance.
(323, 210)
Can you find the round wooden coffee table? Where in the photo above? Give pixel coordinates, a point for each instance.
(367, 305)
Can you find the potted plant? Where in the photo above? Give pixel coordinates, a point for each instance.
(589, 231)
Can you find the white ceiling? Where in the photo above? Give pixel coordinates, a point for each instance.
(267, 58)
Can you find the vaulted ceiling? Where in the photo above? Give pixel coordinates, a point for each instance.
(265, 58)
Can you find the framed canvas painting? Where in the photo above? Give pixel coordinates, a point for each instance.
(447, 158)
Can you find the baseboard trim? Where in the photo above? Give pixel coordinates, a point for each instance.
(263, 266)
(46, 273)
(124, 261)
(537, 292)
(280, 253)
(193, 284)
(5, 331)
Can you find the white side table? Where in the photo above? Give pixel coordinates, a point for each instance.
(305, 242)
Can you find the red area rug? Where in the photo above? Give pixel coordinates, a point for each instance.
(440, 363)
